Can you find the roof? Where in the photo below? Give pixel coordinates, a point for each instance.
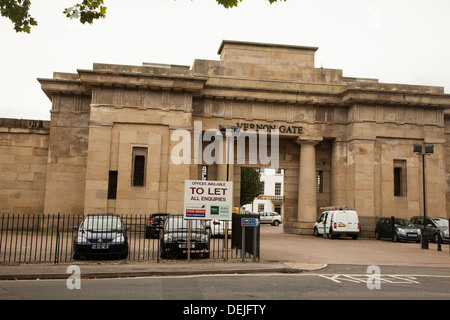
(260, 44)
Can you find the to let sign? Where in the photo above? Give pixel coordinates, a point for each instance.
(208, 199)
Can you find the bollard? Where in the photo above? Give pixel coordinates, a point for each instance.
(392, 228)
(243, 244)
(439, 241)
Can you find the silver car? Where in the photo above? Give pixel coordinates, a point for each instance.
(273, 218)
(217, 227)
(435, 226)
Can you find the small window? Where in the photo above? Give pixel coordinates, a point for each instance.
(400, 178)
(204, 172)
(319, 181)
(260, 207)
(139, 164)
(278, 209)
(278, 188)
(112, 185)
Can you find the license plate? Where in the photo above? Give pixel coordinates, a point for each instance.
(341, 226)
(185, 245)
(100, 246)
(412, 235)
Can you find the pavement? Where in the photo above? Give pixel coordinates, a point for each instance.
(147, 269)
(280, 253)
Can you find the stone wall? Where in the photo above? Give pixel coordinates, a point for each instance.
(23, 165)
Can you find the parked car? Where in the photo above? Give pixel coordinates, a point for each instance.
(175, 237)
(403, 230)
(338, 222)
(273, 218)
(101, 235)
(217, 227)
(435, 226)
(154, 224)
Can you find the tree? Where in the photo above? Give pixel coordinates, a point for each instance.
(18, 12)
(87, 11)
(251, 185)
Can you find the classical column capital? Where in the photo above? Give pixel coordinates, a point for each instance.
(308, 140)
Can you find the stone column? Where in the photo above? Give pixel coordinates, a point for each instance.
(307, 202)
(222, 165)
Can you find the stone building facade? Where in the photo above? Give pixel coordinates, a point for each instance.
(107, 147)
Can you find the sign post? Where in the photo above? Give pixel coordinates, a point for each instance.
(246, 223)
(208, 200)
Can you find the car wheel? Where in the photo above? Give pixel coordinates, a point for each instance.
(436, 238)
(276, 223)
(316, 232)
(123, 255)
(396, 239)
(377, 235)
(330, 234)
(355, 237)
(163, 253)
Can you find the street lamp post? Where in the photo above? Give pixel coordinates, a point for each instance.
(234, 132)
(429, 149)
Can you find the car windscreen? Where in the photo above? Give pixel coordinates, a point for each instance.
(180, 224)
(401, 222)
(102, 223)
(441, 222)
(158, 217)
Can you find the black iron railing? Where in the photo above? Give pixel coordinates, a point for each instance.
(30, 238)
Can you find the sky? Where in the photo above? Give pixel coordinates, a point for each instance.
(401, 41)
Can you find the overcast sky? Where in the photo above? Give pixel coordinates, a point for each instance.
(400, 41)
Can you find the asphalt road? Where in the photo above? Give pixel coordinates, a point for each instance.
(346, 282)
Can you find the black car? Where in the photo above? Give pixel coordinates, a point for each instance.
(101, 235)
(435, 226)
(154, 224)
(175, 237)
(403, 230)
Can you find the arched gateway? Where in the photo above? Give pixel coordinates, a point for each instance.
(115, 130)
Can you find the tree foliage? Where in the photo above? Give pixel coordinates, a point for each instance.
(234, 3)
(18, 11)
(87, 11)
(251, 185)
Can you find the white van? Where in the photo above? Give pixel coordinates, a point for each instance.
(338, 222)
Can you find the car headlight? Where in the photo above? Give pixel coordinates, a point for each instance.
(119, 239)
(446, 232)
(418, 232)
(401, 230)
(81, 240)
